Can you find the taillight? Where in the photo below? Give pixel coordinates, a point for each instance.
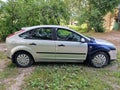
(10, 35)
(15, 33)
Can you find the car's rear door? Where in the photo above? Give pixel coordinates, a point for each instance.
(40, 40)
(68, 46)
(45, 47)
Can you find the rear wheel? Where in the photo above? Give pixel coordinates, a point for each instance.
(100, 59)
(23, 59)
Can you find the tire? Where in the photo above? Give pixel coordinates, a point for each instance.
(99, 59)
(23, 59)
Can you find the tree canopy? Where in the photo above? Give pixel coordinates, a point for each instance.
(93, 12)
(15, 14)
(23, 13)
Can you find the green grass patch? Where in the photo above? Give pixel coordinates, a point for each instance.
(65, 77)
(10, 71)
(117, 74)
(2, 87)
(118, 56)
(2, 56)
(6, 71)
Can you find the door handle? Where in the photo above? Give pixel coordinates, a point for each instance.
(32, 44)
(61, 45)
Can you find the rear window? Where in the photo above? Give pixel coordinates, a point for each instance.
(39, 33)
(26, 35)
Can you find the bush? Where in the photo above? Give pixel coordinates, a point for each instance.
(82, 28)
(3, 36)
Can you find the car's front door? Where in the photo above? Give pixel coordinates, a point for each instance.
(68, 46)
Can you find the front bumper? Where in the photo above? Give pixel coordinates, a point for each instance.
(113, 54)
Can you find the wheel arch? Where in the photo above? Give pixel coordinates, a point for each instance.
(89, 56)
(101, 51)
(13, 56)
(96, 49)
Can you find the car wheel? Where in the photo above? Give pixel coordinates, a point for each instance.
(100, 59)
(23, 59)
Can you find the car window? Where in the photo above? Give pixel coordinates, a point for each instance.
(39, 33)
(66, 35)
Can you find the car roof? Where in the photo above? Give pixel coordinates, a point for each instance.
(49, 26)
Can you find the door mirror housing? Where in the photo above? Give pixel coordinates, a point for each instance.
(82, 40)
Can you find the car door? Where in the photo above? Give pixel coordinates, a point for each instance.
(68, 46)
(40, 40)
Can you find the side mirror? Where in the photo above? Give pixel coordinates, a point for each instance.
(82, 40)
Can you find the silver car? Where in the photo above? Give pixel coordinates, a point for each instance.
(51, 43)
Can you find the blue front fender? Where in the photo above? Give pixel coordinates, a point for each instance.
(92, 49)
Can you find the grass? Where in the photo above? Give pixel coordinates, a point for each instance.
(2, 56)
(73, 77)
(2, 87)
(9, 71)
(67, 77)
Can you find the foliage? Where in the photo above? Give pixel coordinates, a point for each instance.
(82, 28)
(74, 7)
(15, 14)
(93, 12)
(52, 12)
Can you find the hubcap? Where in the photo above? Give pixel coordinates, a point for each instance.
(99, 60)
(23, 59)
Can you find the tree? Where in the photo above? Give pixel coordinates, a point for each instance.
(93, 12)
(52, 12)
(74, 7)
(23, 13)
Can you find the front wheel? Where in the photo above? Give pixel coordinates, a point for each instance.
(23, 59)
(99, 59)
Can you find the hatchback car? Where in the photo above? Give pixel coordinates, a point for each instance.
(51, 43)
